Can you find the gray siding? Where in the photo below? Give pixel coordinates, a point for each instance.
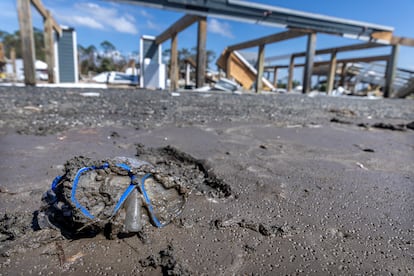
(66, 61)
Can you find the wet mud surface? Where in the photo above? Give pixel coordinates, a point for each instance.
(274, 186)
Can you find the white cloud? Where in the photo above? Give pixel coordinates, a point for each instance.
(95, 16)
(221, 28)
(84, 21)
(153, 26)
(124, 25)
(145, 14)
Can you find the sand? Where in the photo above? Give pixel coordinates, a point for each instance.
(315, 185)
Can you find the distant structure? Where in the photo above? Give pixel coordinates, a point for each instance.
(67, 56)
(152, 73)
(60, 45)
(298, 24)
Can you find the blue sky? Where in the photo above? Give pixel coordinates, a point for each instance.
(123, 24)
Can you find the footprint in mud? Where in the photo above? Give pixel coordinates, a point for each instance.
(197, 174)
(167, 262)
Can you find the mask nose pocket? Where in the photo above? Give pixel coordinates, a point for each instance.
(163, 204)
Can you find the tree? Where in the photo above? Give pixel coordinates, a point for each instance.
(14, 41)
(107, 46)
(87, 59)
(211, 56)
(106, 65)
(185, 53)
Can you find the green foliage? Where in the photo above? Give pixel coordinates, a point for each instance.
(90, 60)
(106, 65)
(107, 46)
(13, 40)
(280, 84)
(87, 59)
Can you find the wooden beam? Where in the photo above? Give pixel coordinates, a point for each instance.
(403, 41)
(387, 36)
(201, 52)
(183, 23)
(268, 39)
(310, 56)
(346, 60)
(45, 13)
(174, 64)
(26, 35)
(260, 67)
(331, 73)
(49, 47)
(391, 71)
(290, 74)
(353, 47)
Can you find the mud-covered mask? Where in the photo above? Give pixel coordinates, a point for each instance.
(123, 194)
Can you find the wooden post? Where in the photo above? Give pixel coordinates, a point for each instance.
(331, 74)
(28, 46)
(260, 67)
(290, 74)
(13, 61)
(2, 59)
(343, 74)
(391, 71)
(187, 73)
(275, 77)
(310, 56)
(174, 64)
(49, 46)
(201, 52)
(228, 65)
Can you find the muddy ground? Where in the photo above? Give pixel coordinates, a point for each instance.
(311, 185)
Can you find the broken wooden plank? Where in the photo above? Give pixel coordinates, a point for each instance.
(238, 68)
(386, 36)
